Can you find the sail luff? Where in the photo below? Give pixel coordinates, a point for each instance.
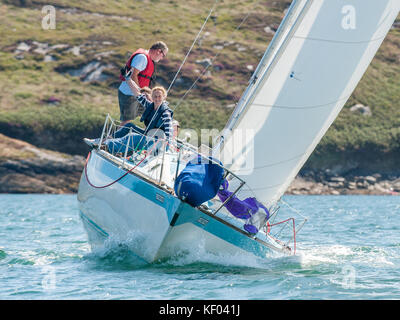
(292, 14)
(301, 89)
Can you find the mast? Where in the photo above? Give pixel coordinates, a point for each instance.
(313, 64)
(293, 13)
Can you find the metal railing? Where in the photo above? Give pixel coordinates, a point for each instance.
(130, 157)
(130, 154)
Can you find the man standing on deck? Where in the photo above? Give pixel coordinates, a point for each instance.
(142, 64)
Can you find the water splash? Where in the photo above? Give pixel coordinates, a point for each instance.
(340, 254)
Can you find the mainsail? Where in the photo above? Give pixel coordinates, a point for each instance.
(310, 69)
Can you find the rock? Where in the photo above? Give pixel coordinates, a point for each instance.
(396, 185)
(364, 110)
(75, 50)
(218, 67)
(204, 62)
(104, 54)
(182, 82)
(338, 179)
(61, 46)
(362, 184)
(335, 185)
(352, 185)
(250, 67)
(377, 176)
(49, 58)
(97, 75)
(307, 183)
(41, 50)
(23, 184)
(93, 71)
(23, 47)
(370, 179)
(218, 46)
(27, 169)
(51, 100)
(380, 189)
(269, 30)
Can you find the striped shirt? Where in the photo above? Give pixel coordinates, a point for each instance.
(166, 116)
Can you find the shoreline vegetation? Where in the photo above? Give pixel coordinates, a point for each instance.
(56, 87)
(27, 169)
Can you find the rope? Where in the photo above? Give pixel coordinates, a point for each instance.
(129, 171)
(187, 54)
(195, 40)
(294, 231)
(212, 60)
(111, 183)
(204, 71)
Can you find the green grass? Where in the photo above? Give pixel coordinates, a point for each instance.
(26, 84)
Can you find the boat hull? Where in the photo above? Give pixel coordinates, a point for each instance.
(130, 210)
(151, 221)
(194, 229)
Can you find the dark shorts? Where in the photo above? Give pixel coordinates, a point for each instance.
(129, 107)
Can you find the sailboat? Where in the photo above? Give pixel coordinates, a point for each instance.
(311, 67)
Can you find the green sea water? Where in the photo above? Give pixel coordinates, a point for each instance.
(348, 249)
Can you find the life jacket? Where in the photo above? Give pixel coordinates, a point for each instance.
(156, 122)
(144, 76)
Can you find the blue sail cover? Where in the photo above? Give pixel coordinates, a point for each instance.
(249, 208)
(199, 181)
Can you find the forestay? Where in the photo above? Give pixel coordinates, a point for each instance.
(310, 69)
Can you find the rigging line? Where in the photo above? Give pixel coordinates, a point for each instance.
(183, 62)
(293, 209)
(212, 60)
(339, 41)
(275, 163)
(265, 188)
(301, 107)
(279, 162)
(195, 40)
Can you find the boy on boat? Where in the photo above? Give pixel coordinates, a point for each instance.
(141, 65)
(157, 115)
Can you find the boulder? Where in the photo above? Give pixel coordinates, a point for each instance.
(269, 30)
(364, 110)
(204, 62)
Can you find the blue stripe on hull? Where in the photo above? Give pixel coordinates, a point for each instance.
(185, 213)
(214, 226)
(93, 225)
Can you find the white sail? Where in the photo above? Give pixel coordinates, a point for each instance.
(312, 66)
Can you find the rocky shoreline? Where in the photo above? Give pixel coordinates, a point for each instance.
(368, 185)
(27, 169)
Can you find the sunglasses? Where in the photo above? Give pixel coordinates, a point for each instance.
(163, 54)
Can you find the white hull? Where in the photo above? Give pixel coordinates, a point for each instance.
(152, 222)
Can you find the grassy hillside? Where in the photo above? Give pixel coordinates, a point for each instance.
(44, 103)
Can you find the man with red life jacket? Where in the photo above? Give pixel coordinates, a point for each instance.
(142, 64)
